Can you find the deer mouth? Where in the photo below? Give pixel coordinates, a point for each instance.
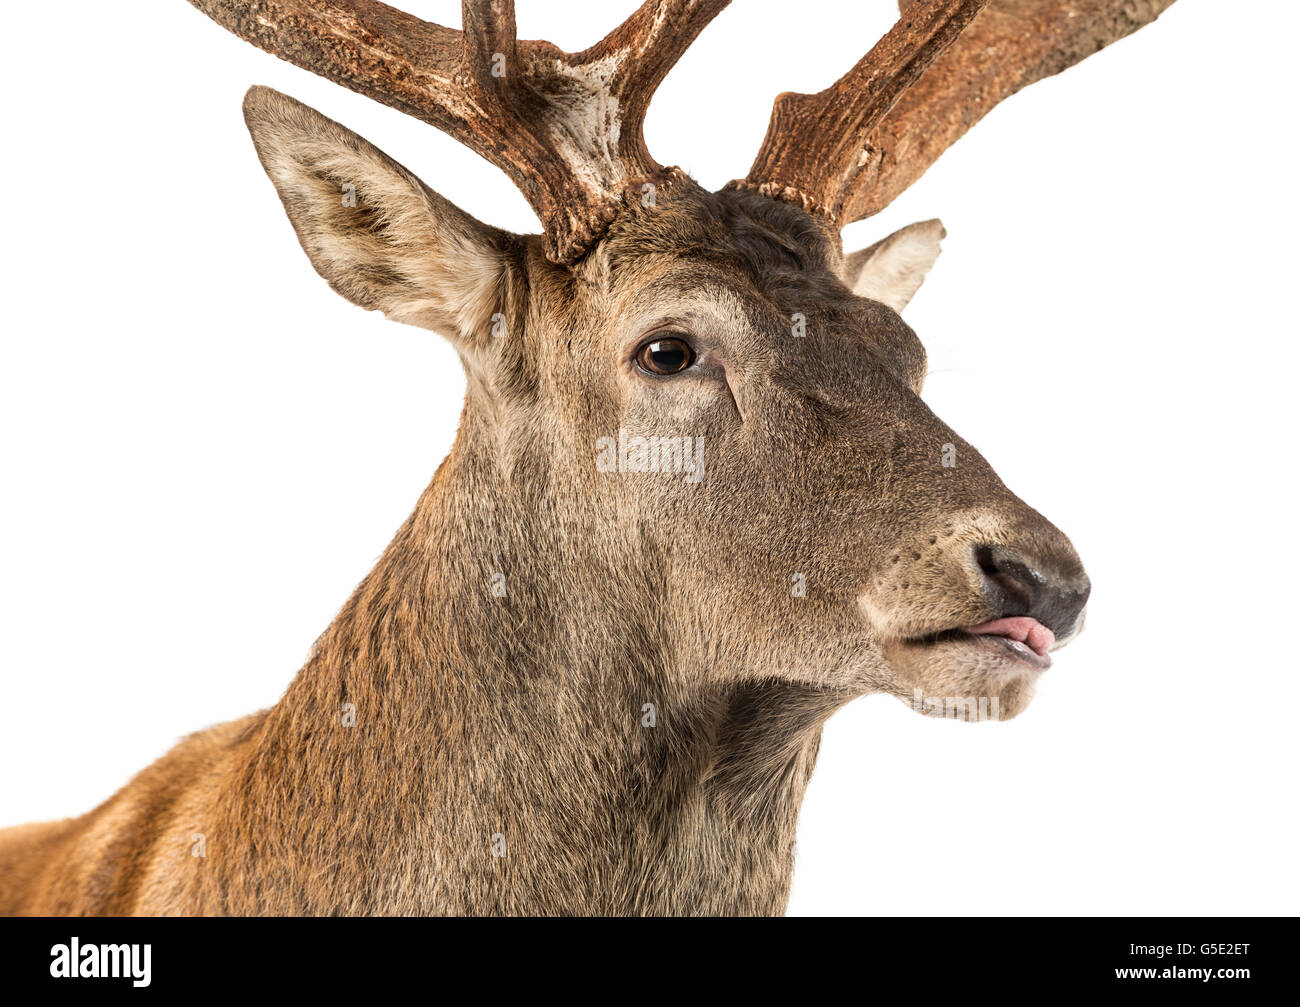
(1020, 637)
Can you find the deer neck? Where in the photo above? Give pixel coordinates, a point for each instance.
(523, 722)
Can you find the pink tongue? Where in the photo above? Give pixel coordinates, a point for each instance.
(1032, 633)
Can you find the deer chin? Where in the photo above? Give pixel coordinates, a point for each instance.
(981, 672)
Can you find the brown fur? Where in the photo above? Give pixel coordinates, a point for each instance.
(521, 716)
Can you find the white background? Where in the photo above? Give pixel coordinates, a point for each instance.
(204, 448)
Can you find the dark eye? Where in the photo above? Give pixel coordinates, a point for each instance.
(665, 355)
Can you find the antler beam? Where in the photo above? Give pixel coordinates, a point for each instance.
(566, 128)
(813, 150)
(848, 151)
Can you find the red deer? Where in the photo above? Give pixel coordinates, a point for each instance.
(696, 503)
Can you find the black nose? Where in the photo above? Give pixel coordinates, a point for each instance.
(1050, 590)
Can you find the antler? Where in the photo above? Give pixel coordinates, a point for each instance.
(565, 127)
(848, 151)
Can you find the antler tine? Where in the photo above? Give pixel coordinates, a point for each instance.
(367, 46)
(488, 27)
(565, 127)
(645, 47)
(919, 90)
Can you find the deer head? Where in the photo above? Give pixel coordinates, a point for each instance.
(690, 411)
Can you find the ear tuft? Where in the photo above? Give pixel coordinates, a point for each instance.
(892, 270)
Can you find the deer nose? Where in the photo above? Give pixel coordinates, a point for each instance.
(1017, 583)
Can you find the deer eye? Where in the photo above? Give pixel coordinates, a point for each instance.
(665, 355)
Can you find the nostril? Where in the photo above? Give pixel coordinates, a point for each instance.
(1015, 587)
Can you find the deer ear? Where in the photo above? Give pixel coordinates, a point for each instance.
(379, 235)
(891, 271)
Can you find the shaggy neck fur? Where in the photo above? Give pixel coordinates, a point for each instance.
(505, 739)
